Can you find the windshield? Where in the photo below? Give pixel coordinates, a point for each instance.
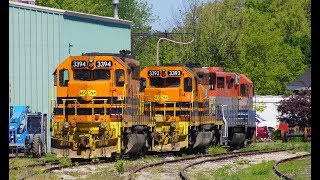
(101, 74)
(81, 74)
(164, 82)
(87, 75)
(34, 124)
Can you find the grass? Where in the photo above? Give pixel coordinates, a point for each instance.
(103, 173)
(262, 171)
(279, 145)
(23, 162)
(297, 168)
(216, 150)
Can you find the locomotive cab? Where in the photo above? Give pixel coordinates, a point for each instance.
(176, 97)
(96, 95)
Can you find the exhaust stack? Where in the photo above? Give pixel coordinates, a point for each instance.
(115, 4)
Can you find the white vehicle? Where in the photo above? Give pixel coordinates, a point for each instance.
(272, 125)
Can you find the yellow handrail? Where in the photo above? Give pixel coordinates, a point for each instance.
(104, 108)
(192, 99)
(124, 97)
(174, 108)
(64, 107)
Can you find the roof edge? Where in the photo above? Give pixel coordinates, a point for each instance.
(35, 7)
(70, 13)
(99, 18)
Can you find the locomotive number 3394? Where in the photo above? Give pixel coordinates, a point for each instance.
(103, 64)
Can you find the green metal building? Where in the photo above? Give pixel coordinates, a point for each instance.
(40, 38)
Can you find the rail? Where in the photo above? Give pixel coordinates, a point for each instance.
(279, 173)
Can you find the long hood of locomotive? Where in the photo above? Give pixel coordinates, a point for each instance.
(162, 95)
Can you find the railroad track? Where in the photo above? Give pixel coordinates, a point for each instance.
(279, 173)
(75, 164)
(52, 163)
(190, 161)
(195, 160)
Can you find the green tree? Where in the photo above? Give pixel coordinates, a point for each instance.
(266, 40)
(139, 12)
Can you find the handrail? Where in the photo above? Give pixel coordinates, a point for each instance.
(64, 107)
(124, 97)
(174, 108)
(104, 109)
(192, 99)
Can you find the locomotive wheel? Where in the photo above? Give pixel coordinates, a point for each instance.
(37, 148)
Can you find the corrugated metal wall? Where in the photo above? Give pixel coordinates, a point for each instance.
(94, 36)
(39, 41)
(35, 49)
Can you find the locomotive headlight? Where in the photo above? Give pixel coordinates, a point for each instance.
(66, 126)
(163, 72)
(90, 64)
(103, 126)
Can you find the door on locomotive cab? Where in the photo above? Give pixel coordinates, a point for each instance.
(64, 77)
(119, 77)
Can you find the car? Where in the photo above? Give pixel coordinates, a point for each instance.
(263, 132)
(271, 124)
(265, 127)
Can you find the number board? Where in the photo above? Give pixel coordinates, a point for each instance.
(79, 64)
(103, 64)
(153, 73)
(174, 73)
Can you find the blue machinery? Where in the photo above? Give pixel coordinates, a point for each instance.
(27, 132)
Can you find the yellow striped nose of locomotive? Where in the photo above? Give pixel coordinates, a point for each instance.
(87, 94)
(161, 98)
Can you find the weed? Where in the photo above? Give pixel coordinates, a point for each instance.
(242, 162)
(159, 170)
(119, 166)
(76, 164)
(216, 150)
(65, 161)
(48, 158)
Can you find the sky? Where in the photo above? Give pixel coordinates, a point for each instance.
(165, 9)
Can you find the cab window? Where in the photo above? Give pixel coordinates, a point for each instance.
(64, 77)
(187, 84)
(81, 74)
(119, 77)
(243, 89)
(101, 74)
(142, 84)
(212, 81)
(55, 78)
(157, 82)
(220, 81)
